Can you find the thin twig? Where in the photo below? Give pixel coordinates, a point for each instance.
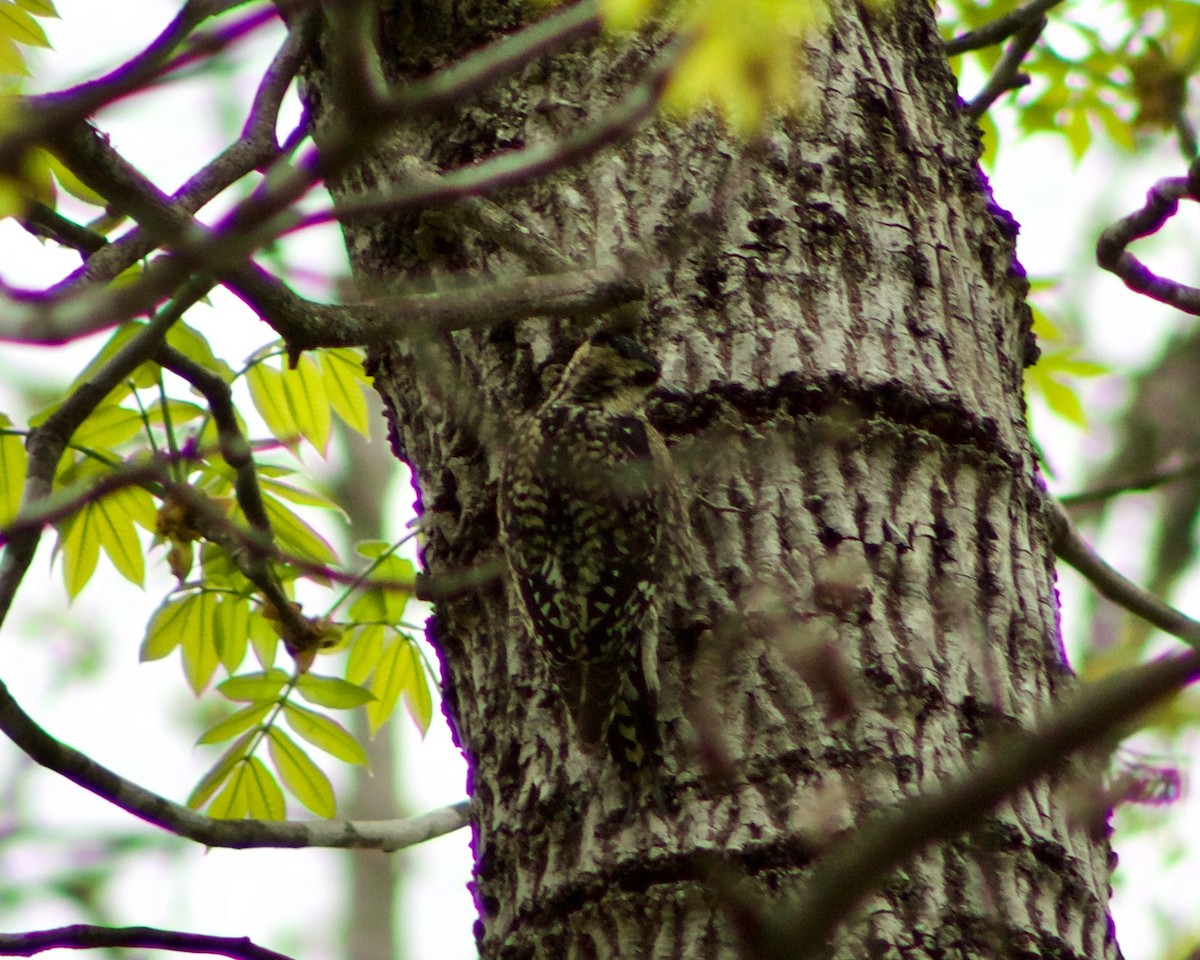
(48, 441)
(1169, 473)
(514, 167)
(88, 937)
(1073, 549)
(1007, 75)
(999, 29)
(82, 770)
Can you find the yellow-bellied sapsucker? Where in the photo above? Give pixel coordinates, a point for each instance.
(587, 499)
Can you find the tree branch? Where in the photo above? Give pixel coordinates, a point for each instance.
(516, 166)
(999, 29)
(1174, 469)
(87, 937)
(48, 441)
(81, 769)
(1007, 75)
(1162, 203)
(840, 882)
(1073, 549)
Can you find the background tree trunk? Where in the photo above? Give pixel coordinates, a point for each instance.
(843, 350)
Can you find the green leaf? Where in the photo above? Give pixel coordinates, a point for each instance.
(324, 732)
(296, 536)
(13, 463)
(332, 692)
(167, 627)
(198, 645)
(366, 647)
(107, 524)
(307, 498)
(418, 698)
(232, 627)
(236, 723)
(12, 64)
(300, 775)
(344, 386)
(21, 27)
(399, 672)
(39, 8)
(271, 401)
(120, 337)
(264, 639)
(305, 389)
(1063, 401)
(253, 687)
(233, 802)
(108, 426)
(264, 798)
(195, 346)
(383, 604)
(217, 773)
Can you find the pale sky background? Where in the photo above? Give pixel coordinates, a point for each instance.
(137, 719)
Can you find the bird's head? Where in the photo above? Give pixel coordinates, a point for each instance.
(611, 371)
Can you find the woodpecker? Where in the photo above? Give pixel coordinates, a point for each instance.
(587, 496)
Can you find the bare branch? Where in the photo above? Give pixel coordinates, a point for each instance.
(1162, 203)
(305, 325)
(44, 115)
(517, 166)
(839, 882)
(1072, 548)
(47, 442)
(1007, 75)
(1001, 28)
(81, 769)
(88, 937)
(1174, 469)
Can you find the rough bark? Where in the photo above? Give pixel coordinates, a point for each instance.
(843, 349)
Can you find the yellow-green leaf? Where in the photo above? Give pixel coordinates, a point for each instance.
(300, 775)
(286, 491)
(344, 386)
(418, 698)
(108, 426)
(13, 461)
(39, 8)
(271, 401)
(232, 630)
(254, 687)
(384, 604)
(198, 645)
(236, 723)
(366, 647)
(233, 802)
(332, 692)
(326, 733)
(305, 389)
(195, 346)
(399, 672)
(79, 542)
(264, 798)
(12, 60)
(296, 536)
(16, 23)
(71, 183)
(264, 639)
(167, 627)
(217, 773)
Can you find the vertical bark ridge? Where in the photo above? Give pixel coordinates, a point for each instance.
(842, 349)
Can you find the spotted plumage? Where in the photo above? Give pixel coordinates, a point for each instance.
(587, 495)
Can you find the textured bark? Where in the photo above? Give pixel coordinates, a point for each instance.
(843, 351)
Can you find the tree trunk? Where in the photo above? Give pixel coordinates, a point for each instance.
(872, 590)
